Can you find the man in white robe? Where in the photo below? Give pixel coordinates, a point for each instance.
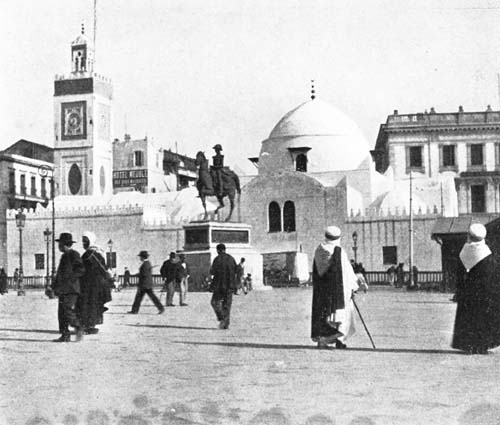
(334, 283)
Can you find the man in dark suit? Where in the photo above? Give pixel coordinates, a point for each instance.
(67, 287)
(223, 273)
(145, 285)
(171, 274)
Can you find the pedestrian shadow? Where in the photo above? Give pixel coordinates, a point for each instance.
(174, 327)
(25, 340)
(41, 331)
(313, 347)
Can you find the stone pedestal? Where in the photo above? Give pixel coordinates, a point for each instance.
(200, 240)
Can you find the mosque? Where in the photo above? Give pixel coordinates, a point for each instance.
(314, 169)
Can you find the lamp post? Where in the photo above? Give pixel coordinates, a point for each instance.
(20, 221)
(355, 247)
(46, 235)
(110, 244)
(44, 170)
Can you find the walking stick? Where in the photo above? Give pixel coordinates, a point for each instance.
(362, 321)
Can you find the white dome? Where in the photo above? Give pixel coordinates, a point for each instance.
(331, 140)
(314, 118)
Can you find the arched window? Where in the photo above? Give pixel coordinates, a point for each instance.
(301, 162)
(274, 217)
(289, 216)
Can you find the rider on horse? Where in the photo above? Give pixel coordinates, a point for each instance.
(218, 165)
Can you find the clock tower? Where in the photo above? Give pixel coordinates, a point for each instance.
(83, 147)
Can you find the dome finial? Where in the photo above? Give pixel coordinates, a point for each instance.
(313, 95)
(83, 28)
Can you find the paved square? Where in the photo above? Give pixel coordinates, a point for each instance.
(178, 368)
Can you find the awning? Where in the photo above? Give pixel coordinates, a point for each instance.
(460, 225)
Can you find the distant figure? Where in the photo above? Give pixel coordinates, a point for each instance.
(400, 275)
(391, 275)
(16, 278)
(240, 275)
(223, 273)
(126, 277)
(67, 287)
(477, 321)
(184, 278)
(360, 273)
(334, 284)
(3, 282)
(145, 285)
(247, 283)
(170, 273)
(217, 166)
(414, 285)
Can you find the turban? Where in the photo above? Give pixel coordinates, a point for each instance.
(332, 232)
(477, 231)
(91, 237)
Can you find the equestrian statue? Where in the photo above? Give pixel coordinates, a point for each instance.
(218, 181)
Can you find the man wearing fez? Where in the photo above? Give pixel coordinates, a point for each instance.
(145, 285)
(223, 285)
(477, 322)
(171, 274)
(218, 165)
(334, 283)
(67, 287)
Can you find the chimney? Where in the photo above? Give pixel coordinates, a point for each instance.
(126, 137)
(433, 111)
(460, 108)
(395, 112)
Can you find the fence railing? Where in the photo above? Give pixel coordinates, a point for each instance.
(426, 280)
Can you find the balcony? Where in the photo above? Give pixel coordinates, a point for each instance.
(444, 120)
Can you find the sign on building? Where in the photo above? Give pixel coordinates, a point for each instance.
(130, 178)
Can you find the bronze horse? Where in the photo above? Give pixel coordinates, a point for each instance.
(205, 184)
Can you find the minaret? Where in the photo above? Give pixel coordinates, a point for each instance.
(82, 125)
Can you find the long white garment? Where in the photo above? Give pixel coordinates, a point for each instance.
(473, 252)
(350, 282)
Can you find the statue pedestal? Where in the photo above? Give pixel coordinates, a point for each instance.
(200, 240)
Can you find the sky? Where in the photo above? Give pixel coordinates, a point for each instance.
(200, 72)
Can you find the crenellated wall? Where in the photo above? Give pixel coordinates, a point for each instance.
(130, 227)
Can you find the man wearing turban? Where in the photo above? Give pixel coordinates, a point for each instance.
(95, 290)
(477, 321)
(334, 282)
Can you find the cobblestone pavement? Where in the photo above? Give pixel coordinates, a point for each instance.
(178, 368)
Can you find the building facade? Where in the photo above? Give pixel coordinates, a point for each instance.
(82, 126)
(22, 184)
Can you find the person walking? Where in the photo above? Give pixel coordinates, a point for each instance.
(170, 272)
(145, 285)
(240, 276)
(334, 284)
(94, 290)
(184, 277)
(223, 273)
(400, 275)
(477, 321)
(67, 287)
(3, 282)
(126, 277)
(391, 275)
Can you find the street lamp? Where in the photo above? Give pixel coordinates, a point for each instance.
(44, 170)
(110, 244)
(20, 221)
(355, 247)
(46, 235)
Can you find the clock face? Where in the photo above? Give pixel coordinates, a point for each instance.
(74, 120)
